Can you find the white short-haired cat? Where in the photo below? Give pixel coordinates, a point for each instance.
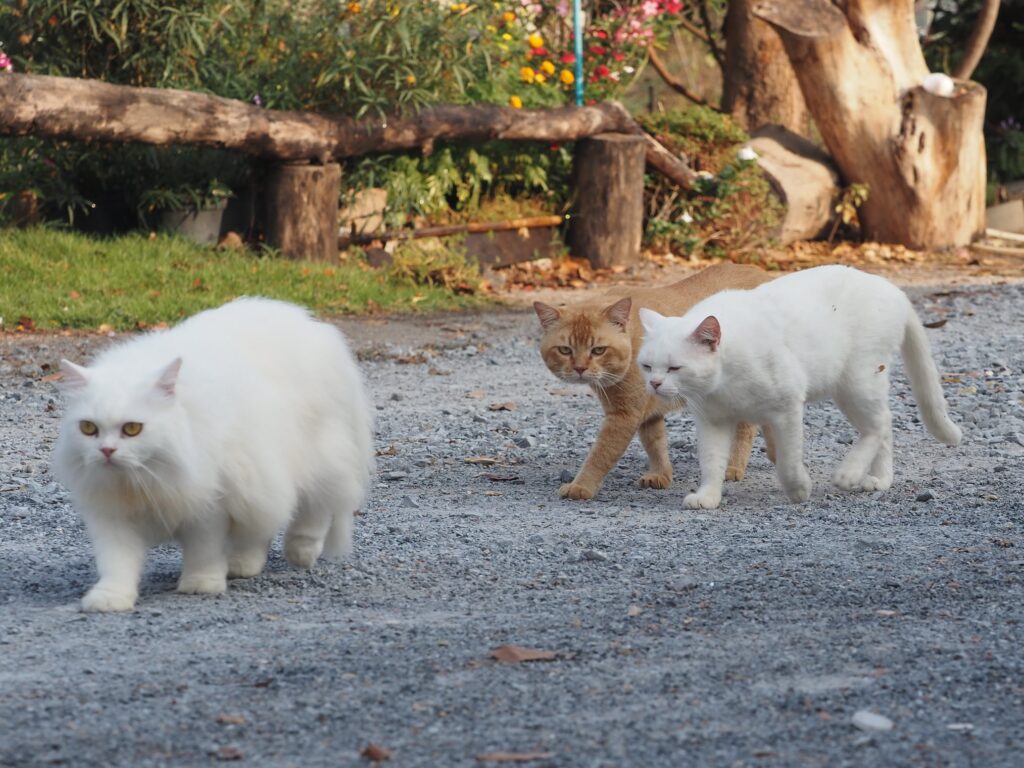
(759, 355)
(216, 434)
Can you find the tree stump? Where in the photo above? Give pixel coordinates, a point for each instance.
(921, 154)
(302, 210)
(608, 220)
(804, 178)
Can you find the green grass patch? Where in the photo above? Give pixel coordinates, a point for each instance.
(64, 280)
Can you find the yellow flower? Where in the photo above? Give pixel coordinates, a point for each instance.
(354, 7)
(535, 41)
(506, 36)
(527, 75)
(508, 16)
(491, 28)
(548, 68)
(567, 77)
(411, 80)
(539, 78)
(515, 102)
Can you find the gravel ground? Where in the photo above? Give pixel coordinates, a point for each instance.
(758, 634)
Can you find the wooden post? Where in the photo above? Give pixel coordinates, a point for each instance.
(607, 224)
(302, 210)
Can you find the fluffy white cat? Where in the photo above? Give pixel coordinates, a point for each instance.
(216, 434)
(759, 355)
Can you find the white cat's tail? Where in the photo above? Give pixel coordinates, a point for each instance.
(925, 382)
(338, 543)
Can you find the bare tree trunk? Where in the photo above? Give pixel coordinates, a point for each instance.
(760, 86)
(922, 155)
(90, 110)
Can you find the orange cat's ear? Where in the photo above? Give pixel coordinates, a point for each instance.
(618, 312)
(548, 316)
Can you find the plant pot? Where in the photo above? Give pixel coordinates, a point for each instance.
(208, 225)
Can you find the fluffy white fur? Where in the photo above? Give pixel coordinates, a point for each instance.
(253, 415)
(758, 356)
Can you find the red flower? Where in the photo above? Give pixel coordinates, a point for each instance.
(598, 50)
(539, 51)
(601, 34)
(672, 7)
(601, 71)
(618, 55)
(568, 58)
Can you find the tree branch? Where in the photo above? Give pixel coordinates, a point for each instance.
(670, 81)
(716, 50)
(978, 41)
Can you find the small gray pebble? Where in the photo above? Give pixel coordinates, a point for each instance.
(395, 475)
(594, 554)
(526, 441)
(410, 503)
(869, 721)
(566, 476)
(925, 496)
(397, 397)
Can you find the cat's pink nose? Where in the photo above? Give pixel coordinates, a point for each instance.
(108, 452)
(579, 369)
(655, 383)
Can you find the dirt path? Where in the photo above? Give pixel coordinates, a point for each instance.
(752, 635)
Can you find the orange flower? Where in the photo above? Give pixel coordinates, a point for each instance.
(515, 102)
(354, 7)
(548, 68)
(539, 78)
(410, 80)
(567, 77)
(509, 17)
(535, 41)
(527, 75)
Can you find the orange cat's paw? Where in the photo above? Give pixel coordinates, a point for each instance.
(655, 480)
(734, 473)
(576, 491)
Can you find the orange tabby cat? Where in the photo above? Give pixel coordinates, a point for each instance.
(596, 343)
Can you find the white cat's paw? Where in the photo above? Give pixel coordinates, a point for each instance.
(703, 499)
(245, 566)
(202, 584)
(798, 489)
(102, 600)
(872, 483)
(847, 479)
(302, 551)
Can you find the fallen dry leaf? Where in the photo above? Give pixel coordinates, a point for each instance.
(416, 359)
(75, 295)
(563, 392)
(482, 460)
(475, 394)
(634, 610)
(376, 752)
(389, 451)
(225, 719)
(513, 757)
(513, 654)
(227, 754)
(935, 323)
(53, 376)
(495, 478)
(507, 406)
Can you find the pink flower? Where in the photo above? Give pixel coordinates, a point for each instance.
(5, 62)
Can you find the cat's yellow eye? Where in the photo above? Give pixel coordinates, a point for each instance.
(89, 428)
(131, 428)
(598, 351)
(565, 350)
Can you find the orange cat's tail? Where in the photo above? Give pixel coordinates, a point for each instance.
(925, 382)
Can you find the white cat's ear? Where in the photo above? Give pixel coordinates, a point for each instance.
(75, 376)
(618, 312)
(650, 318)
(708, 333)
(168, 378)
(547, 315)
